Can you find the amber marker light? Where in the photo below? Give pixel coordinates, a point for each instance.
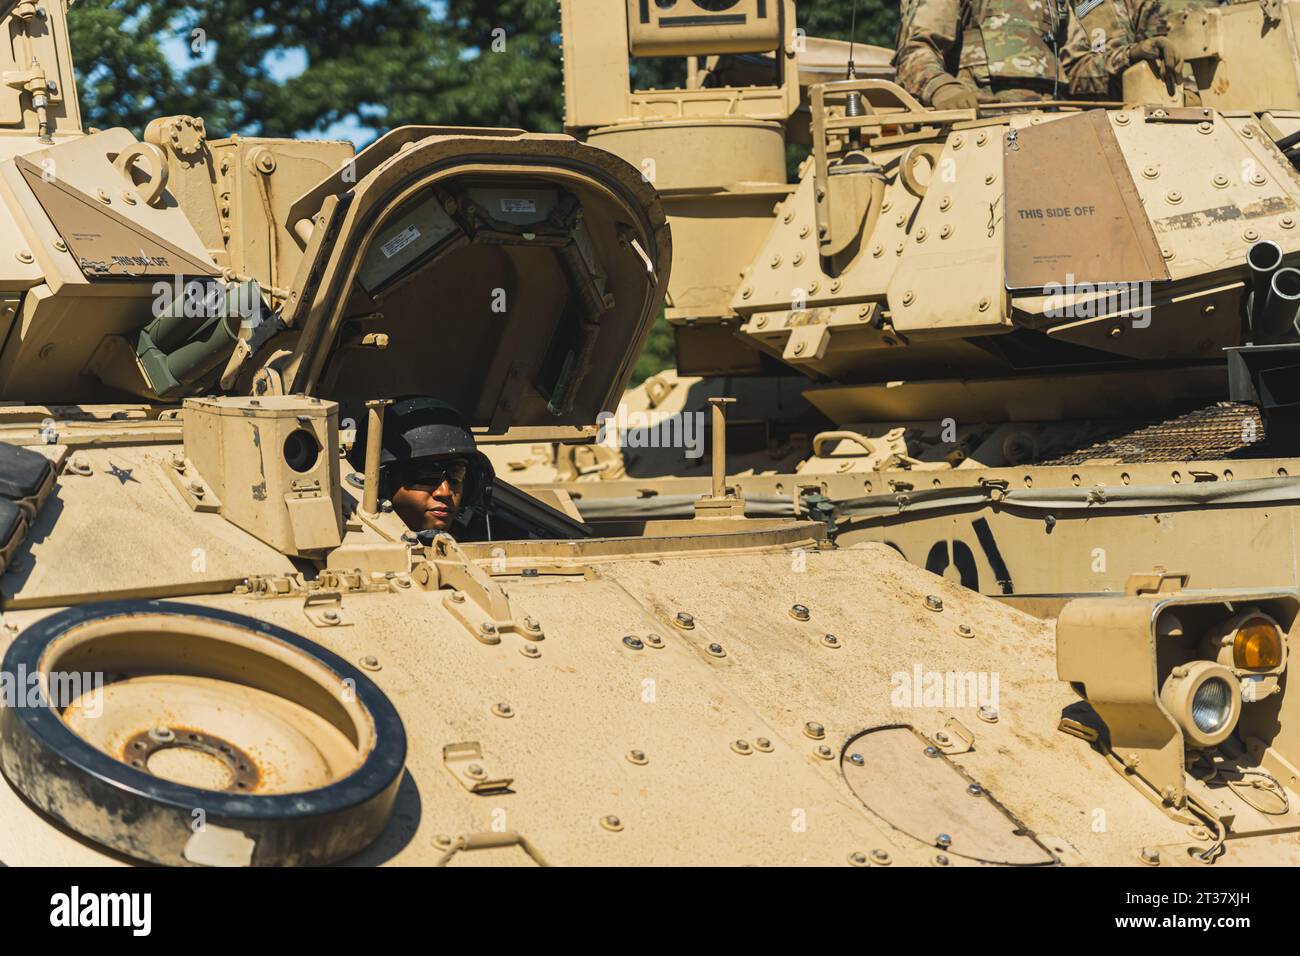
(1257, 645)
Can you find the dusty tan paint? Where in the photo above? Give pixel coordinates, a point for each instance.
(678, 692)
(893, 298)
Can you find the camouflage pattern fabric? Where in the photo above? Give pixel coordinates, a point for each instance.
(1097, 50)
(985, 44)
(1177, 6)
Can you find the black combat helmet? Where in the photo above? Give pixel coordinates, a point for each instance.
(425, 429)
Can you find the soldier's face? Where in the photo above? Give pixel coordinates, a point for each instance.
(428, 495)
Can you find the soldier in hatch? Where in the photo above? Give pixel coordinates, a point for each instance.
(430, 467)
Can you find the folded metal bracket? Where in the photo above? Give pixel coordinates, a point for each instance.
(1156, 582)
(196, 491)
(325, 609)
(465, 761)
(955, 738)
(474, 598)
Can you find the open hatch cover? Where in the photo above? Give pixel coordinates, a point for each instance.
(515, 276)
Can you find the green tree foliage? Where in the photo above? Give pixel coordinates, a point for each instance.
(285, 68)
(122, 72)
(659, 352)
(877, 20)
(508, 70)
(272, 69)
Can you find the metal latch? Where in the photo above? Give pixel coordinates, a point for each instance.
(955, 738)
(995, 488)
(325, 609)
(305, 488)
(1157, 582)
(465, 761)
(1074, 728)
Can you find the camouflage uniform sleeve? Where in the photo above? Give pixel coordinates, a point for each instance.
(931, 29)
(1151, 17)
(1097, 46)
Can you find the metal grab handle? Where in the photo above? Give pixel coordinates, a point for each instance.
(930, 152)
(868, 445)
(152, 188)
(487, 840)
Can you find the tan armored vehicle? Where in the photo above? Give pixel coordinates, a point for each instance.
(1034, 351)
(221, 648)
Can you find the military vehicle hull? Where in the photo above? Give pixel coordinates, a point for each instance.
(222, 647)
(616, 723)
(1014, 326)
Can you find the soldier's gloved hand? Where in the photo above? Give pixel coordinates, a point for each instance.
(1159, 51)
(954, 96)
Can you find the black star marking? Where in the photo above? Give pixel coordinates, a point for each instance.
(121, 474)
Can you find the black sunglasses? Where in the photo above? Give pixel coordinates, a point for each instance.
(433, 474)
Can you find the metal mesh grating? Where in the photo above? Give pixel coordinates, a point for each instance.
(1225, 430)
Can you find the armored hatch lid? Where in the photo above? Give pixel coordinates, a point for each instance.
(115, 215)
(515, 277)
(1073, 213)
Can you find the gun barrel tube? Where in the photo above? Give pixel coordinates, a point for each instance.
(1264, 258)
(1283, 307)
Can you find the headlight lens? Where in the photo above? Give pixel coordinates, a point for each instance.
(1212, 705)
(1205, 698)
(1257, 645)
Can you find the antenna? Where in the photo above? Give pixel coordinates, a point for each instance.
(853, 99)
(853, 36)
